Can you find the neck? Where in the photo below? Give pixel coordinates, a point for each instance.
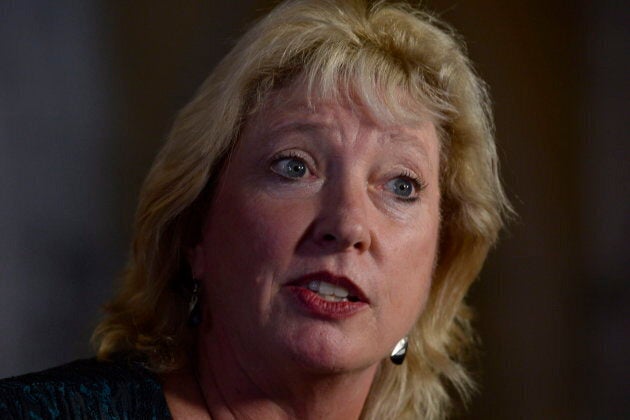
(235, 390)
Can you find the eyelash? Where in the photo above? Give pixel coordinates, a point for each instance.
(290, 154)
(287, 155)
(418, 185)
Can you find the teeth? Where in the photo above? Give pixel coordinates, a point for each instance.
(328, 291)
(326, 288)
(333, 298)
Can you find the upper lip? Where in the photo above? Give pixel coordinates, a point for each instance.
(327, 276)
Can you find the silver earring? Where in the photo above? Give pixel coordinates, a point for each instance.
(400, 351)
(194, 311)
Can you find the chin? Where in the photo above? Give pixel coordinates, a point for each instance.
(318, 350)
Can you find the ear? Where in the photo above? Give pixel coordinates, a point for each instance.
(196, 260)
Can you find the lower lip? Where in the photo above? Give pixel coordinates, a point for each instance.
(318, 306)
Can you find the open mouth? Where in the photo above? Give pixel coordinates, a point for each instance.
(330, 287)
(328, 296)
(331, 292)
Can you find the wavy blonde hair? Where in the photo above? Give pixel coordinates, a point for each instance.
(342, 49)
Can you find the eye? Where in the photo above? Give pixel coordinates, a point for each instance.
(290, 167)
(405, 187)
(401, 187)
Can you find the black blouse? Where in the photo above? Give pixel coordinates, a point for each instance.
(85, 389)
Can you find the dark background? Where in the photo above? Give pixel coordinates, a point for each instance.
(88, 91)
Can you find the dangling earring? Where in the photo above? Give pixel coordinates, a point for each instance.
(400, 351)
(194, 310)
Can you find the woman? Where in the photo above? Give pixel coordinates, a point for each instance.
(318, 212)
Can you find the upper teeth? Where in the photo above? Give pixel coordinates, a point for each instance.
(327, 289)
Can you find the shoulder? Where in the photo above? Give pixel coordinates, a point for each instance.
(84, 389)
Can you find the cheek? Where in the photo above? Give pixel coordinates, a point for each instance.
(411, 271)
(256, 235)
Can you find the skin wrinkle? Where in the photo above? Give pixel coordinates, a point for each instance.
(286, 411)
(397, 78)
(227, 404)
(350, 152)
(286, 125)
(282, 100)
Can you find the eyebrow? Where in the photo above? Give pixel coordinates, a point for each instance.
(411, 141)
(317, 127)
(297, 126)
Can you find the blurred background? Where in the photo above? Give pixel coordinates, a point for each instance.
(88, 91)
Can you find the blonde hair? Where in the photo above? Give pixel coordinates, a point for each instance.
(341, 49)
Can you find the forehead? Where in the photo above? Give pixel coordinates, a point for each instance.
(305, 107)
(294, 111)
(388, 107)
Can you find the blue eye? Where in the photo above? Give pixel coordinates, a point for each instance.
(401, 187)
(290, 167)
(405, 187)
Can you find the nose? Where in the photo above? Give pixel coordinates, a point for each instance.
(343, 223)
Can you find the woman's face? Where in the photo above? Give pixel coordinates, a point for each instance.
(319, 246)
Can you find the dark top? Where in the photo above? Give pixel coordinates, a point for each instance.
(85, 389)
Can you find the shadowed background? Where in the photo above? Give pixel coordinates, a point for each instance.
(89, 90)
